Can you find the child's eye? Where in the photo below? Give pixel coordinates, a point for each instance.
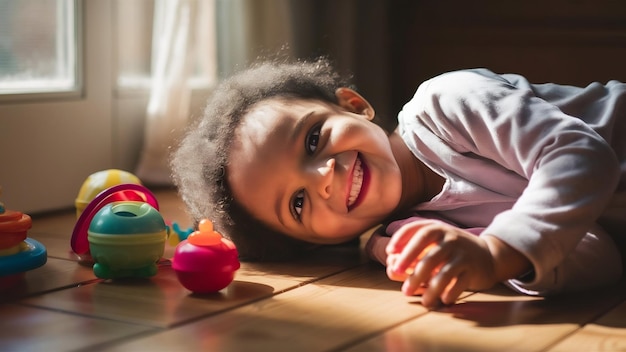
(297, 202)
(312, 139)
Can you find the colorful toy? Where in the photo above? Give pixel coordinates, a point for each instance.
(177, 235)
(126, 239)
(120, 229)
(99, 181)
(117, 193)
(18, 254)
(205, 262)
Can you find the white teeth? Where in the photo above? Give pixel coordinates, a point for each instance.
(357, 181)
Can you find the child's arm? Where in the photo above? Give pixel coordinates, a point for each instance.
(376, 247)
(571, 172)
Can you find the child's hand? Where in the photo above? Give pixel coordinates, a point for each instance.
(439, 260)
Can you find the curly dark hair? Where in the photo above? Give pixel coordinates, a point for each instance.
(200, 163)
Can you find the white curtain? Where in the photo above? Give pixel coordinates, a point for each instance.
(169, 104)
(245, 29)
(248, 29)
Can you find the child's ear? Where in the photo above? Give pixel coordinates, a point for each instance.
(354, 102)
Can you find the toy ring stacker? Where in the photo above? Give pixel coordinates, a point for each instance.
(31, 255)
(117, 193)
(18, 253)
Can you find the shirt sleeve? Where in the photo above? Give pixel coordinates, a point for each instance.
(571, 171)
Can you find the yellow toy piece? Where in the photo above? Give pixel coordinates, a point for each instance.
(176, 234)
(98, 182)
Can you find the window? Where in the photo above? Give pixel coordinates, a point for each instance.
(38, 47)
(39, 52)
(89, 51)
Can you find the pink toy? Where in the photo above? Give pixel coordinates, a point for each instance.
(205, 262)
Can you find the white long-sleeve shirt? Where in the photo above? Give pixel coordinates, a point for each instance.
(535, 165)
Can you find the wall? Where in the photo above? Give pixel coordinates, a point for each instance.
(570, 42)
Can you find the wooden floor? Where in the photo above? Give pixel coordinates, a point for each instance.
(336, 301)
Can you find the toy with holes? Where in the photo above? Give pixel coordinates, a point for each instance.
(126, 239)
(18, 254)
(98, 190)
(205, 262)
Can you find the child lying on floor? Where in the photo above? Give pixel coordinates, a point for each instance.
(499, 179)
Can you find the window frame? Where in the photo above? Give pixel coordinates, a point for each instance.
(75, 92)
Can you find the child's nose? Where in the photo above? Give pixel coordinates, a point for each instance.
(325, 178)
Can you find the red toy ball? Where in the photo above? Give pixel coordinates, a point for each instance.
(205, 262)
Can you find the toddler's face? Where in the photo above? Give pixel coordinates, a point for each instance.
(316, 171)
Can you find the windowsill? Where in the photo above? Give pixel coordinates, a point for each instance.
(39, 93)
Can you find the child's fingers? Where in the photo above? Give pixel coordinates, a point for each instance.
(396, 276)
(417, 240)
(439, 286)
(418, 247)
(423, 270)
(391, 260)
(404, 234)
(455, 289)
(414, 291)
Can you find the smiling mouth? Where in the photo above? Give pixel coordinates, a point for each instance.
(358, 176)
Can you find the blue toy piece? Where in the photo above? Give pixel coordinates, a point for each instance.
(178, 234)
(18, 253)
(32, 255)
(126, 239)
